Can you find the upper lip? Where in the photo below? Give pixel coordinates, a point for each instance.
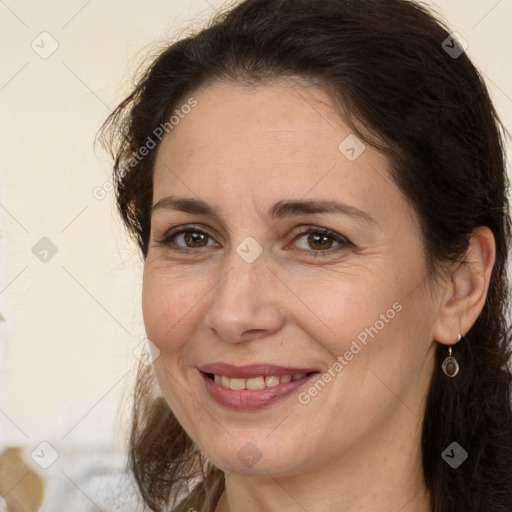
(253, 370)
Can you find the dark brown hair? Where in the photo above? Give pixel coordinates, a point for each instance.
(386, 64)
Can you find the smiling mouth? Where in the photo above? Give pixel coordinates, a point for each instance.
(255, 383)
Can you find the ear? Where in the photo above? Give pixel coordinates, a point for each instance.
(464, 295)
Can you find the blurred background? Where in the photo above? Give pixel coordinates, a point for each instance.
(71, 329)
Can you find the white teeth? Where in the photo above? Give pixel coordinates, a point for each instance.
(255, 383)
(271, 380)
(237, 383)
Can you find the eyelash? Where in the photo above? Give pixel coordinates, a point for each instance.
(341, 240)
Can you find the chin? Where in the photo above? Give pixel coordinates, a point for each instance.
(257, 458)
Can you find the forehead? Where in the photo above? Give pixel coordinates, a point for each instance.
(286, 109)
(285, 137)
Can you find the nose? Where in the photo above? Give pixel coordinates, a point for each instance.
(245, 303)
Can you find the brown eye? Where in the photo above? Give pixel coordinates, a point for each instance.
(316, 241)
(187, 240)
(195, 239)
(321, 242)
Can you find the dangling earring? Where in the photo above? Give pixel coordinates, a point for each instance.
(450, 365)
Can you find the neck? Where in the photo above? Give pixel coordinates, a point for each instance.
(383, 475)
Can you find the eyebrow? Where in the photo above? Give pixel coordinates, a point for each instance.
(278, 211)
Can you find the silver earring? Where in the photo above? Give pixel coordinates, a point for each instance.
(450, 365)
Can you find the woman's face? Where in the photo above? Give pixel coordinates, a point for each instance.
(259, 276)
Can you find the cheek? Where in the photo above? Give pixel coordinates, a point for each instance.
(340, 309)
(168, 307)
(365, 326)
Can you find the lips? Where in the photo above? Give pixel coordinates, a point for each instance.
(253, 370)
(254, 386)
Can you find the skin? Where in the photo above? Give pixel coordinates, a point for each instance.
(356, 444)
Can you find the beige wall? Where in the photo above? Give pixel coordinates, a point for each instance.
(72, 322)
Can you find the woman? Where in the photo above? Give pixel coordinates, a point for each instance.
(318, 190)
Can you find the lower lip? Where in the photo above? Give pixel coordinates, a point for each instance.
(251, 399)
